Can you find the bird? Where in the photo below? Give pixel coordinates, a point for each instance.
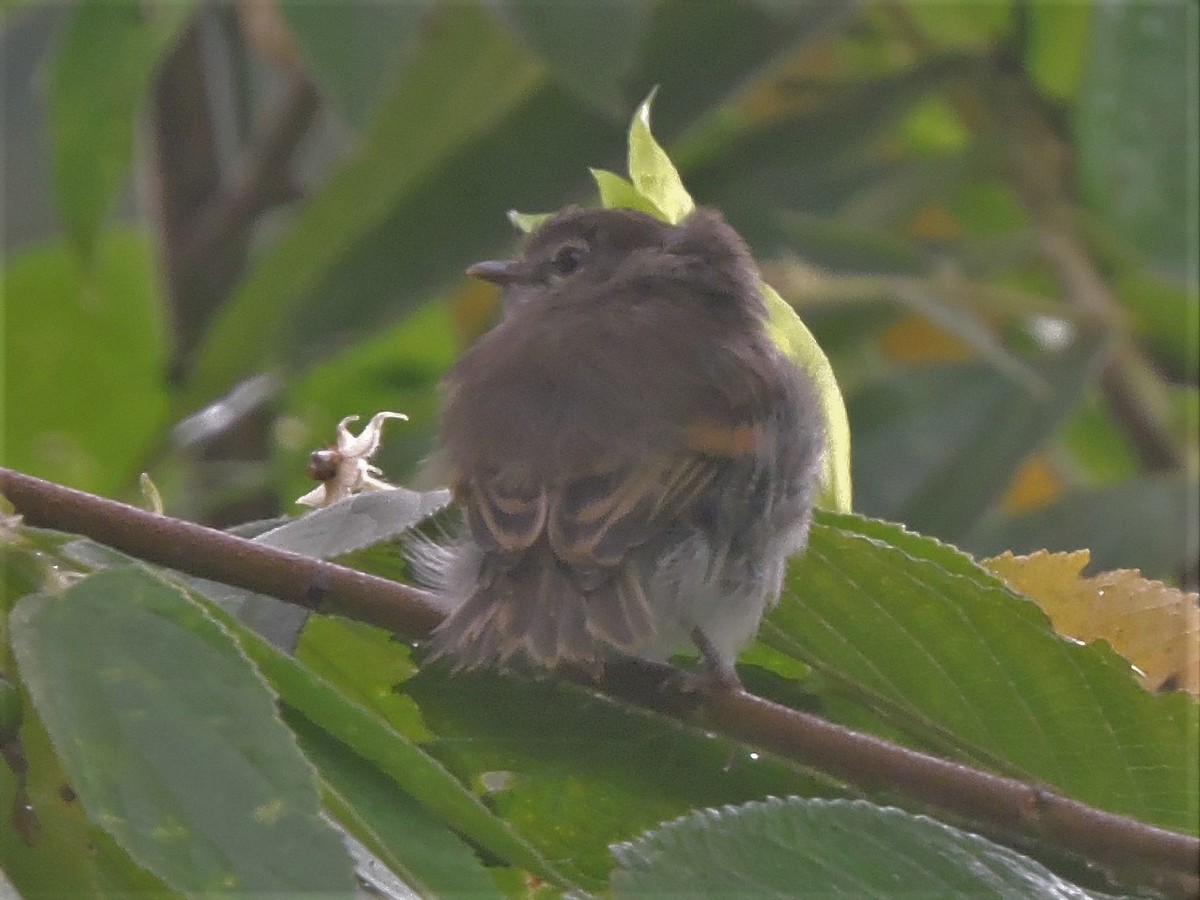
(634, 456)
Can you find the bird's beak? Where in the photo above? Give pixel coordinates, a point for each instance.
(497, 271)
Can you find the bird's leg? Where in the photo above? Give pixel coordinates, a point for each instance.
(719, 673)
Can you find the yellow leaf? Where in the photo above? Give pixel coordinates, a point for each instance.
(789, 332)
(914, 339)
(1035, 485)
(1155, 626)
(654, 178)
(933, 222)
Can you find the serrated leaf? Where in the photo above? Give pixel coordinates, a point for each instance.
(943, 649)
(652, 172)
(367, 664)
(1153, 625)
(172, 741)
(779, 848)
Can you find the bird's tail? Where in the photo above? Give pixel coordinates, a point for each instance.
(533, 606)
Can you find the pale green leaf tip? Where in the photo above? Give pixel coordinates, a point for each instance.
(606, 182)
(654, 176)
(643, 110)
(527, 222)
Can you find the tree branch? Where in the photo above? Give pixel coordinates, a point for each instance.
(1133, 849)
(219, 556)
(262, 181)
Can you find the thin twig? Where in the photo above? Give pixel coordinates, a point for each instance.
(1116, 843)
(1088, 293)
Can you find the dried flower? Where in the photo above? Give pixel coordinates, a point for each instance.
(344, 469)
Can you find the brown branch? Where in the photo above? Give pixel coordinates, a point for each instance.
(219, 556)
(1116, 843)
(262, 180)
(1088, 293)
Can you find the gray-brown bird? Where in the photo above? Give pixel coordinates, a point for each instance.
(635, 457)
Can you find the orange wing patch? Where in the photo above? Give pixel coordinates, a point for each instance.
(722, 440)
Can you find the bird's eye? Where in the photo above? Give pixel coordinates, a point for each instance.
(568, 258)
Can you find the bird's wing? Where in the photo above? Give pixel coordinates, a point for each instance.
(562, 546)
(597, 518)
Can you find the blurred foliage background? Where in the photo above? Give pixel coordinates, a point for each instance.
(227, 226)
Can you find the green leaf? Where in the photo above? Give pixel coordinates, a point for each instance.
(84, 361)
(418, 847)
(933, 128)
(1135, 132)
(940, 647)
(99, 80)
(936, 446)
(356, 50)
(368, 665)
(1057, 46)
(171, 740)
(652, 172)
(48, 847)
(412, 769)
(465, 78)
(617, 193)
(832, 848)
(573, 772)
(589, 47)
